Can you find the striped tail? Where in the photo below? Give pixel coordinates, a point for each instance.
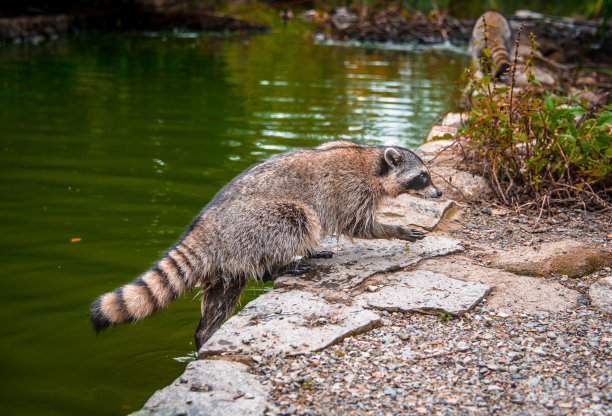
(178, 271)
(501, 59)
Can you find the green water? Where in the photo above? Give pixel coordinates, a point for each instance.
(120, 140)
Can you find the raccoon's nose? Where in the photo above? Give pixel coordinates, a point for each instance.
(438, 193)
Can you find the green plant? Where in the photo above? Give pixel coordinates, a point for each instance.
(444, 318)
(537, 148)
(307, 383)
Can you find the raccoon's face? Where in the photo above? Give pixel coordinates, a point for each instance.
(405, 172)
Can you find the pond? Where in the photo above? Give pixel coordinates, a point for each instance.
(112, 143)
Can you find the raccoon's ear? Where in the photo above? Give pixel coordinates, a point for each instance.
(393, 157)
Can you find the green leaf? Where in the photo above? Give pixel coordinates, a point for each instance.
(604, 118)
(572, 128)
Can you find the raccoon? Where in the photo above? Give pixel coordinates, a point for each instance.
(262, 219)
(499, 42)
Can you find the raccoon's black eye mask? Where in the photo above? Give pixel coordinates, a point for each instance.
(419, 182)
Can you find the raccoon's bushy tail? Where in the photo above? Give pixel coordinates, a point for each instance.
(501, 58)
(178, 271)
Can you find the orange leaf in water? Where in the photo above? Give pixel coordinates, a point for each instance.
(75, 240)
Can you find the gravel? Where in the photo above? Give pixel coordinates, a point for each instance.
(479, 364)
(493, 226)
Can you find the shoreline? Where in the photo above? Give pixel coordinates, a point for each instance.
(38, 28)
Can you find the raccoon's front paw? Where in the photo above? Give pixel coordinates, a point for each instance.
(410, 234)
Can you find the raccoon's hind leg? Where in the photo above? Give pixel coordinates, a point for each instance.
(269, 235)
(218, 301)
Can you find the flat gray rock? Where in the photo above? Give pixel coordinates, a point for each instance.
(210, 387)
(427, 292)
(407, 210)
(601, 295)
(289, 323)
(354, 263)
(512, 294)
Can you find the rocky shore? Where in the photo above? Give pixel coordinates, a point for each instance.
(155, 15)
(491, 312)
(569, 48)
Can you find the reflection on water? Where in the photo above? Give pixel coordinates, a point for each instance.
(119, 141)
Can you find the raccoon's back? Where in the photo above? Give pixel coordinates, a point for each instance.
(333, 181)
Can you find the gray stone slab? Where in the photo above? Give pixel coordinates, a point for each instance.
(289, 323)
(211, 387)
(409, 210)
(354, 263)
(512, 294)
(427, 292)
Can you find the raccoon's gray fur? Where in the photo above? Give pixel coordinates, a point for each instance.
(263, 218)
(499, 41)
